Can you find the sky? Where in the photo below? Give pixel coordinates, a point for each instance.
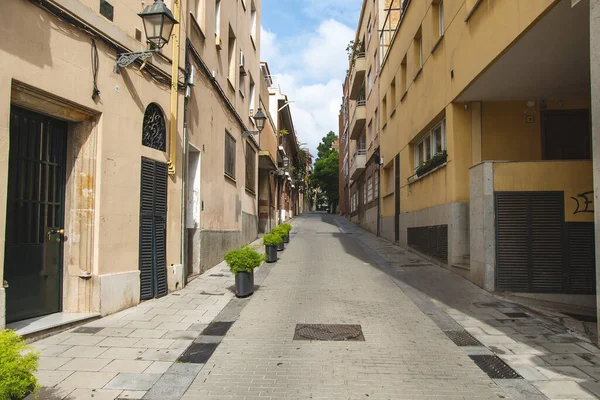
(304, 42)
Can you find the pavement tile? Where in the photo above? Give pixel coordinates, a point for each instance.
(130, 366)
(565, 360)
(181, 344)
(115, 332)
(142, 324)
(168, 318)
(122, 353)
(567, 373)
(51, 350)
(84, 340)
(85, 364)
(161, 354)
(147, 333)
(51, 378)
(132, 394)
(87, 380)
(158, 367)
(50, 393)
(84, 351)
(170, 387)
(184, 335)
(563, 390)
(127, 381)
(174, 326)
(118, 342)
(154, 343)
(93, 394)
(52, 363)
(565, 348)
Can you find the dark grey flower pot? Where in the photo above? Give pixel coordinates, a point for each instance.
(271, 253)
(244, 284)
(280, 247)
(286, 238)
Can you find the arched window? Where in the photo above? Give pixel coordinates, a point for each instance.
(154, 131)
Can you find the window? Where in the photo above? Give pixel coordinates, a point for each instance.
(231, 57)
(252, 94)
(441, 18)
(250, 168)
(229, 155)
(376, 62)
(418, 52)
(376, 122)
(433, 143)
(243, 73)
(218, 17)
(197, 10)
(370, 132)
(154, 128)
(393, 95)
(403, 79)
(389, 173)
(370, 189)
(384, 110)
(369, 31)
(369, 82)
(364, 193)
(253, 22)
(376, 179)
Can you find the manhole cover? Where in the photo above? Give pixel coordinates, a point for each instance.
(331, 332)
(217, 328)
(462, 338)
(494, 367)
(87, 329)
(516, 314)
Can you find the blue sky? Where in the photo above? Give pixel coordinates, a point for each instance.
(304, 42)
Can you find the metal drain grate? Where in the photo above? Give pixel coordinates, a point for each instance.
(462, 338)
(494, 367)
(516, 314)
(87, 329)
(331, 332)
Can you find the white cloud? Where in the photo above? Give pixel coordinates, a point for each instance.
(310, 71)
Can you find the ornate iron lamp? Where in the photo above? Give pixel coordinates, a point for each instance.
(158, 26)
(259, 120)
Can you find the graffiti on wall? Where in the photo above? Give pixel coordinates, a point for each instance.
(585, 202)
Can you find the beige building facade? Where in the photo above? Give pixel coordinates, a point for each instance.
(486, 141)
(75, 160)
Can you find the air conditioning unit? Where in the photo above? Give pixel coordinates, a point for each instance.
(218, 42)
(243, 64)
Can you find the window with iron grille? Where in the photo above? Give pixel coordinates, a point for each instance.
(154, 128)
(370, 189)
(250, 167)
(229, 155)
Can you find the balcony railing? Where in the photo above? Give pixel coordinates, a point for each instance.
(359, 120)
(357, 75)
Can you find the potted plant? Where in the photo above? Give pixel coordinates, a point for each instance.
(280, 231)
(288, 228)
(271, 241)
(242, 263)
(435, 161)
(18, 365)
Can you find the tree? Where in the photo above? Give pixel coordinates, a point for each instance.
(326, 171)
(326, 145)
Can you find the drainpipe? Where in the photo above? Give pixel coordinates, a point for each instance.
(183, 257)
(174, 90)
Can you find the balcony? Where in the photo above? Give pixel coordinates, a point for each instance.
(357, 77)
(358, 119)
(359, 162)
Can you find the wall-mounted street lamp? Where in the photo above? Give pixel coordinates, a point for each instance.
(259, 120)
(158, 26)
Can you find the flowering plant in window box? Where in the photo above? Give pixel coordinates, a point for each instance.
(434, 162)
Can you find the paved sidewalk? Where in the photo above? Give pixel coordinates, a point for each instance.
(324, 277)
(556, 363)
(132, 354)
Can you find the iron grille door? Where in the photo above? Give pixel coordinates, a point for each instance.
(529, 242)
(153, 213)
(33, 257)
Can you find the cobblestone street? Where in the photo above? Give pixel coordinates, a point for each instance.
(332, 272)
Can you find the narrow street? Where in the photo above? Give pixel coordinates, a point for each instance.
(332, 272)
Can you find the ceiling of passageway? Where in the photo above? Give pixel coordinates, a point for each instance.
(551, 61)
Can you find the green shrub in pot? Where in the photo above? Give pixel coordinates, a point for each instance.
(18, 365)
(244, 259)
(272, 239)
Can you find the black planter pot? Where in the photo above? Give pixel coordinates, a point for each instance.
(286, 238)
(271, 252)
(244, 284)
(280, 247)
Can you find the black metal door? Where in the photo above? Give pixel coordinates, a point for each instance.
(397, 197)
(536, 250)
(35, 214)
(153, 214)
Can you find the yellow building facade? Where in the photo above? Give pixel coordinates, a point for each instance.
(486, 144)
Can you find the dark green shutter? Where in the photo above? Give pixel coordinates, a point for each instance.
(153, 213)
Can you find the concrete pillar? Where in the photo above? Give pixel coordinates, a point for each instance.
(595, 76)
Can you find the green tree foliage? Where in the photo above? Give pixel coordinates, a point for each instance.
(326, 145)
(18, 364)
(326, 176)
